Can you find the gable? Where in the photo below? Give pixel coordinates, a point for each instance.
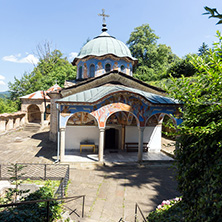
(113, 77)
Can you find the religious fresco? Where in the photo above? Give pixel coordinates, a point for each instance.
(85, 71)
(137, 110)
(81, 119)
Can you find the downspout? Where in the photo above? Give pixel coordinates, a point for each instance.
(58, 132)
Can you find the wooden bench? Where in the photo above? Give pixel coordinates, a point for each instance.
(133, 147)
(88, 145)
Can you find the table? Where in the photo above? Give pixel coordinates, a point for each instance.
(88, 145)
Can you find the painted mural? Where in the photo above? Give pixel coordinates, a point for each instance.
(81, 119)
(137, 110)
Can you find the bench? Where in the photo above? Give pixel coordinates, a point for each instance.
(88, 145)
(133, 147)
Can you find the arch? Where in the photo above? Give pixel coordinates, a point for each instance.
(92, 70)
(81, 119)
(80, 72)
(34, 114)
(107, 67)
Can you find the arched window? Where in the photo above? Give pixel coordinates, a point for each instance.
(107, 67)
(122, 67)
(80, 72)
(92, 70)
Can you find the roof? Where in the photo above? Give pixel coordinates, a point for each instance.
(104, 44)
(95, 94)
(41, 94)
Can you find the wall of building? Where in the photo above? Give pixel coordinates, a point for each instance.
(11, 121)
(76, 134)
(151, 135)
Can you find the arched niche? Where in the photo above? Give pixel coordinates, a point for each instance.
(34, 114)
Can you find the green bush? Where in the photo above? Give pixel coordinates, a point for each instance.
(36, 211)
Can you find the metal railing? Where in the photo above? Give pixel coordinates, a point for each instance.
(136, 214)
(48, 206)
(35, 171)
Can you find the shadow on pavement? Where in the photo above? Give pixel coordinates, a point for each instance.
(160, 179)
(48, 148)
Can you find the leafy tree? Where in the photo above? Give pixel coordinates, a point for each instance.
(213, 14)
(153, 59)
(52, 68)
(182, 67)
(199, 154)
(8, 106)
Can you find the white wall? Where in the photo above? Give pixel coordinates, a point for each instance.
(76, 134)
(151, 135)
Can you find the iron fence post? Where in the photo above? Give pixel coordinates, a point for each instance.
(136, 212)
(45, 173)
(47, 218)
(83, 205)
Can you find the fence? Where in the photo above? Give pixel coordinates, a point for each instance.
(35, 171)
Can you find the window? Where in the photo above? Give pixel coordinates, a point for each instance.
(107, 67)
(92, 70)
(80, 72)
(122, 68)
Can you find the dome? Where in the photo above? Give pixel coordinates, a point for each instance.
(104, 44)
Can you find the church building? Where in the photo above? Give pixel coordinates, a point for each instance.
(105, 108)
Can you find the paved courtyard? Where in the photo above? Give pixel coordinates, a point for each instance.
(111, 190)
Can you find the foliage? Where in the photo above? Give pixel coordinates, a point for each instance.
(8, 106)
(35, 211)
(52, 68)
(203, 50)
(168, 210)
(182, 67)
(153, 59)
(213, 14)
(199, 155)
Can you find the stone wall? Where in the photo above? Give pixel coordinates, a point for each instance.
(11, 121)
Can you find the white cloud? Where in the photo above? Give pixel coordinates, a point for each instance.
(2, 83)
(30, 58)
(2, 77)
(72, 55)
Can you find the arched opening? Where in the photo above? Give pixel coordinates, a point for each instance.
(92, 70)
(120, 128)
(168, 127)
(107, 67)
(81, 127)
(122, 68)
(34, 114)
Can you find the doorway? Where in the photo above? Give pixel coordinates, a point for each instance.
(111, 139)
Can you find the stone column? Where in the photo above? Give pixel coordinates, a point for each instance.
(140, 144)
(101, 143)
(62, 144)
(42, 118)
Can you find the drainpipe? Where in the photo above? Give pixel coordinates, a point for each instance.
(58, 133)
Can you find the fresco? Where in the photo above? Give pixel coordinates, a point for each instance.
(81, 119)
(135, 107)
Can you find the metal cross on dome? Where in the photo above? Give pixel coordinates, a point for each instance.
(103, 15)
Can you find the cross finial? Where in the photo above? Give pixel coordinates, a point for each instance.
(103, 15)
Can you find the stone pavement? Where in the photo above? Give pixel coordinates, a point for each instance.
(112, 191)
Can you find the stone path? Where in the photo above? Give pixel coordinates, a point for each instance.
(111, 192)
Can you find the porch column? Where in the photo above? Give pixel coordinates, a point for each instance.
(101, 143)
(62, 144)
(42, 118)
(123, 137)
(140, 145)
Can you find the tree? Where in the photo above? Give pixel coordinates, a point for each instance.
(213, 14)
(199, 154)
(52, 68)
(182, 67)
(203, 50)
(153, 59)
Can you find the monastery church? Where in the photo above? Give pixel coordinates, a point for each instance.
(105, 109)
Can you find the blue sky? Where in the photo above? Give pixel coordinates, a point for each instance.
(67, 24)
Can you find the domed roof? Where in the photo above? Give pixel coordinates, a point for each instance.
(105, 44)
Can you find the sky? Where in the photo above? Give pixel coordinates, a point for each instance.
(67, 25)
